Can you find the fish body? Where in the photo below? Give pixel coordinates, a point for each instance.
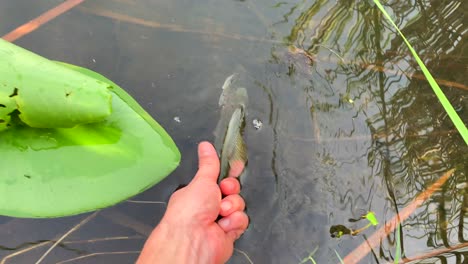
(229, 142)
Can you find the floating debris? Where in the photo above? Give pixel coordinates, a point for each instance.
(177, 119)
(257, 123)
(340, 230)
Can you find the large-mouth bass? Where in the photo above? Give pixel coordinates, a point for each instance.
(229, 142)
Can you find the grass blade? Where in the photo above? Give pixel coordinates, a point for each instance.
(398, 245)
(339, 257)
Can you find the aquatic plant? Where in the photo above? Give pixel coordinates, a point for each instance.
(375, 239)
(340, 230)
(69, 132)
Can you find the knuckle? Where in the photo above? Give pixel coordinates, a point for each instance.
(209, 164)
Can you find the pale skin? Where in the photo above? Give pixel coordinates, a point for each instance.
(189, 232)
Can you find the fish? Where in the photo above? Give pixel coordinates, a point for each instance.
(229, 142)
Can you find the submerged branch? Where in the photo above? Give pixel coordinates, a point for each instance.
(171, 27)
(94, 240)
(145, 202)
(17, 253)
(245, 255)
(76, 227)
(375, 68)
(41, 20)
(98, 254)
(127, 221)
(434, 253)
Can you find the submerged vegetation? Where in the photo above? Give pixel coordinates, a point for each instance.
(413, 140)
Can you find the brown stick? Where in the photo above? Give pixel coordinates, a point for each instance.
(170, 27)
(414, 75)
(434, 253)
(374, 240)
(179, 28)
(41, 20)
(127, 221)
(366, 137)
(377, 68)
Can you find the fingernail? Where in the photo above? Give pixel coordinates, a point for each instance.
(226, 206)
(224, 223)
(206, 149)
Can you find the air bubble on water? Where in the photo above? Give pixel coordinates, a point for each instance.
(257, 123)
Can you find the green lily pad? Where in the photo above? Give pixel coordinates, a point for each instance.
(7, 106)
(46, 94)
(52, 172)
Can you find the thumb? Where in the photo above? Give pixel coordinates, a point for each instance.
(208, 162)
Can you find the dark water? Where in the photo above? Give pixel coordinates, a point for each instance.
(350, 124)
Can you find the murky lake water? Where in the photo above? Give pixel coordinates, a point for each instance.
(350, 123)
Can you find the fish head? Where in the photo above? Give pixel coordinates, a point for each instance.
(240, 97)
(226, 89)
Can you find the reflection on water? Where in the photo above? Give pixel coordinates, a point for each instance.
(350, 124)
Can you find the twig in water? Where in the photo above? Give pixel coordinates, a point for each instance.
(41, 20)
(127, 221)
(94, 240)
(295, 50)
(171, 27)
(332, 51)
(376, 68)
(339, 257)
(245, 255)
(435, 253)
(99, 254)
(76, 227)
(24, 250)
(306, 259)
(146, 202)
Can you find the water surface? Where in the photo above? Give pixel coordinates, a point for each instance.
(350, 124)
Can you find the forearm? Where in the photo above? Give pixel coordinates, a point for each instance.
(174, 244)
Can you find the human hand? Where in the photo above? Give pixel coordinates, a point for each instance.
(188, 232)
